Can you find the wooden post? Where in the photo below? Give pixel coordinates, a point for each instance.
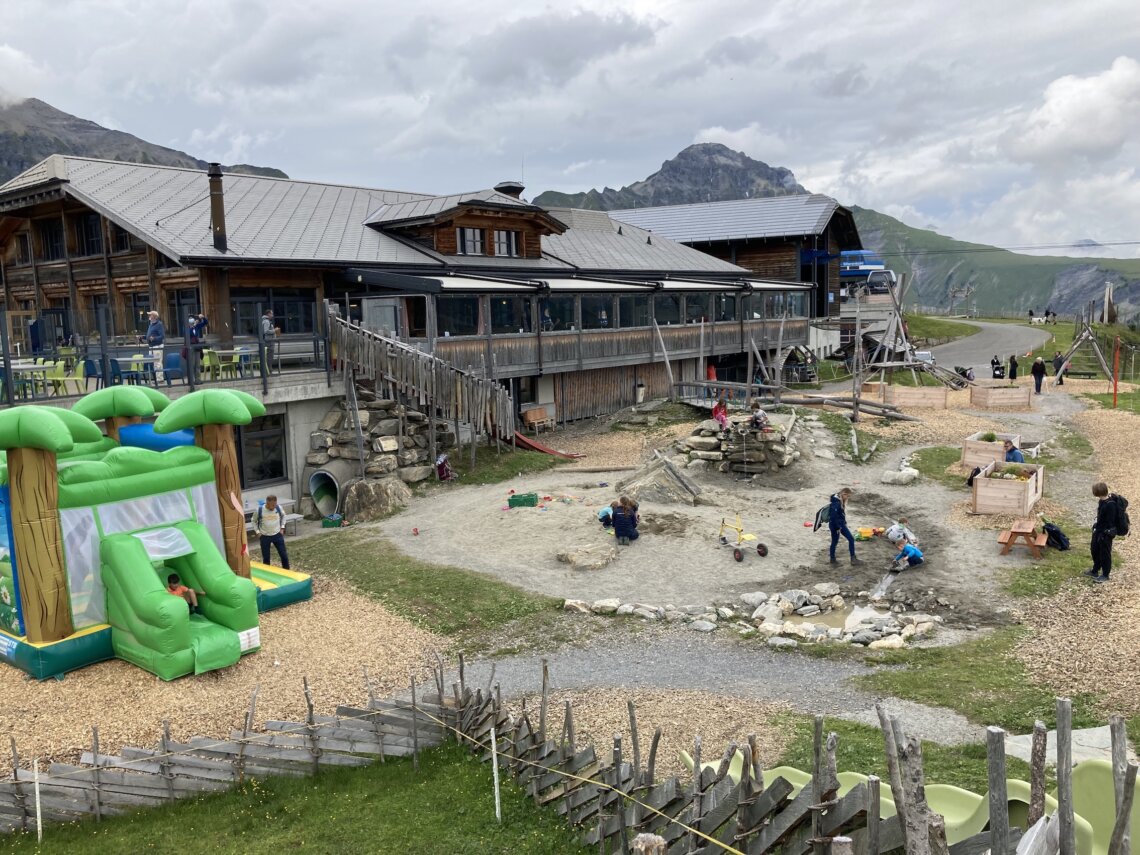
(620, 794)
(1065, 776)
(17, 789)
(164, 764)
(634, 745)
(415, 730)
(874, 804)
(668, 367)
(1120, 771)
(38, 544)
(219, 440)
(1037, 774)
(95, 774)
(1120, 842)
(651, 763)
(544, 701)
(999, 802)
(892, 754)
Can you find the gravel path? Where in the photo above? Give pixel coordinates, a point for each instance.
(688, 661)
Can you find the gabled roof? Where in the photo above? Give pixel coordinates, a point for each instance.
(284, 221)
(775, 216)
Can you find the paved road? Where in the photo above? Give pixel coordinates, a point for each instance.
(977, 350)
(688, 660)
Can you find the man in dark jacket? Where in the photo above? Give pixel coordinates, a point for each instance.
(1038, 372)
(1013, 367)
(156, 341)
(837, 523)
(1103, 533)
(1058, 364)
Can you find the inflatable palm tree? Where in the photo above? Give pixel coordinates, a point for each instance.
(33, 437)
(213, 413)
(117, 406)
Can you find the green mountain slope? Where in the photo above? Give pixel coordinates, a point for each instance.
(998, 279)
(32, 130)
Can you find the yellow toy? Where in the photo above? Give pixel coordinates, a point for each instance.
(742, 539)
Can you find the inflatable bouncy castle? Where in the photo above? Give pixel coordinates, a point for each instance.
(93, 522)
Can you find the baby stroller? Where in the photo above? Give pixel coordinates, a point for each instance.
(999, 372)
(443, 469)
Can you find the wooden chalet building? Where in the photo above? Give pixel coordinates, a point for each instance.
(573, 310)
(782, 238)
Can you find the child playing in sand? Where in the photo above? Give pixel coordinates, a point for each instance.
(174, 586)
(759, 420)
(625, 522)
(900, 532)
(908, 555)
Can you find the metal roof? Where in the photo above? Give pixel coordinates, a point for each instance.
(429, 207)
(775, 216)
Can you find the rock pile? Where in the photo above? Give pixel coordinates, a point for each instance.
(395, 438)
(741, 449)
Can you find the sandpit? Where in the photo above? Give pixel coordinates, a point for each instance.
(327, 639)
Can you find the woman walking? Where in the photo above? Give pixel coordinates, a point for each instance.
(837, 523)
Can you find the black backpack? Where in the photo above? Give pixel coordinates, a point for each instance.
(1057, 538)
(1122, 523)
(973, 474)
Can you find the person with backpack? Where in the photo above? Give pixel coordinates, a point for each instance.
(837, 524)
(270, 524)
(1111, 521)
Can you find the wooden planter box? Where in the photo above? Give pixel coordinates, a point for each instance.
(874, 390)
(977, 452)
(1001, 397)
(930, 397)
(999, 496)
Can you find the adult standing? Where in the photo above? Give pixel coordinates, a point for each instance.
(1103, 533)
(192, 350)
(156, 340)
(1058, 365)
(269, 336)
(710, 376)
(995, 368)
(837, 523)
(269, 520)
(1038, 372)
(1013, 367)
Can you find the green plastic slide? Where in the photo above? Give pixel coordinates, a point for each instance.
(154, 629)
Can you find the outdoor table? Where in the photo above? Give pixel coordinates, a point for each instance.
(1023, 532)
(35, 372)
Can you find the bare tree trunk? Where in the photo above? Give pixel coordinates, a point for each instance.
(113, 424)
(38, 544)
(219, 441)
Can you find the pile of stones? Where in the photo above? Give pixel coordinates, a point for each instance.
(783, 618)
(740, 449)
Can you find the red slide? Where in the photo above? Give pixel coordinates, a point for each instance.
(526, 442)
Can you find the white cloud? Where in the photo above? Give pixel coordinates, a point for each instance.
(753, 139)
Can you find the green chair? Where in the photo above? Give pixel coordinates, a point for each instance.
(1094, 798)
(229, 365)
(1018, 791)
(211, 364)
(56, 375)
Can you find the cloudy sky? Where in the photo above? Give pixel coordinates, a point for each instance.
(1012, 123)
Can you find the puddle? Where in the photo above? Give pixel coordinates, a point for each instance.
(846, 618)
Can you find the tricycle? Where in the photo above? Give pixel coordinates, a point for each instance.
(742, 540)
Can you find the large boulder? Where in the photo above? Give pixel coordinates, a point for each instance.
(412, 474)
(385, 427)
(386, 444)
(589, 558)
(900, 476)
(378, 466)
(703, 443)
(374, 499)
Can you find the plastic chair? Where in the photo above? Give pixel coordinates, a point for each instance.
(74, 379)
(57, 376)
(248, 360)
(19, 388)
(1094, 798)
(173, 366)
(229, 365)
(140, 370)
(92, 369)
(118, 375)
(211, 364)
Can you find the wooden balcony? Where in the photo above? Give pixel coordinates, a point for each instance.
(523, 354)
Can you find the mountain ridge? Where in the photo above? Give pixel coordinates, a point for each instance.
(32, 130)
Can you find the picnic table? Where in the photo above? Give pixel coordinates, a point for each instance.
(1023, 532)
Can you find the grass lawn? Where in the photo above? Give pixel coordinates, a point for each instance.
(452, 602)
(932, 462)
(493, 467)
(448, 806)
(937, 330)
(1129, 402)
(980, 679)
(861, 750)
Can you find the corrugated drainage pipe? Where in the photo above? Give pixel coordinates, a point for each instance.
(328, 483)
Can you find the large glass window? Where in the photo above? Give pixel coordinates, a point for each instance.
(120, 238)
(596, 312)
(724, 307)
(667, 309)
(634, 309)
(23, 248)
(797, 304)
(457, 315)
(51, 239)
(469, 241)
(774, 305)
(293, 309)
(261, 447)
(558, 314)
(88, 234)
(697, 308)
(753, 307)
(510, 314)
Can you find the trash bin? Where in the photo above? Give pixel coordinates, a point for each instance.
(640, 399)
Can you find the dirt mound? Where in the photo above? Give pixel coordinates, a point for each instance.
(673, 525)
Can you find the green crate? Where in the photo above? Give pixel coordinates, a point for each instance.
(523, 500)
(332, 521)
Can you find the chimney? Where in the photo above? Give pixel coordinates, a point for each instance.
(217, 207)
(514, 189)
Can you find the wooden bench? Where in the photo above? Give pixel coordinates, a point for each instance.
(1004, 537)
(1088, 375)
(537, 419)
(1023, 533)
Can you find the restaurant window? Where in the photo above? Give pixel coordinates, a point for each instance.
(457, 315)
(634, 310)
(506, 243)
(293, 309)
(469, 241)
(774, 305)
(23, 248)
(697, 308)
(558, 314)
(724, 307)
(88, 234)
(261, 447)
(596, 312)
(797, 304)
(510, 314)
(667, 309)
(120, 238)
(52, 246)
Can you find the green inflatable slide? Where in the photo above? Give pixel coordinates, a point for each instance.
(154, 629)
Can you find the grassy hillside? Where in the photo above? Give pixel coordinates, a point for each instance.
(1002, 280)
